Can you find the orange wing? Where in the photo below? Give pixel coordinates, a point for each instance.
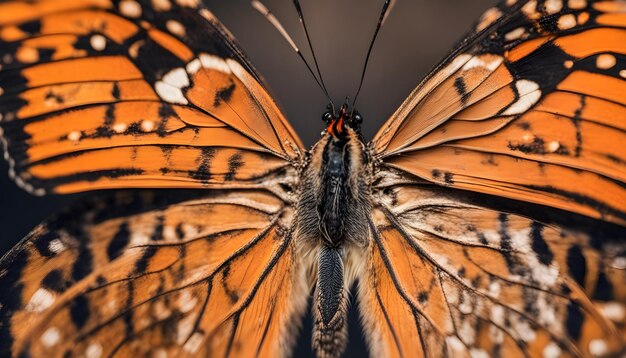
(98, 94)
(532, 107)
(141, 275)
(448, 277)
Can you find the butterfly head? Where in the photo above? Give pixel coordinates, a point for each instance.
(337, 123)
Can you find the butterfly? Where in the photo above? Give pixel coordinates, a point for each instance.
(486, 218)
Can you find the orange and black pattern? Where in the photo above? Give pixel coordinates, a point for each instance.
(491, 206)
(113, 94)
(139, 274)
(530, 107)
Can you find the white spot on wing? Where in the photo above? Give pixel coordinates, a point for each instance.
(40, 300)
(613, 311)
(529, 93)
(194, 343)
(551, 350)
(177, 78)
(74, 136)
(488, 62)
(130, 8)
(120, 127)
(186, 302)
(98, 42)
(553, 6)
(170, 93)
(147, 125)
(194, 66)
(598, 347)
(51, 337)
(213, 62)
(605, 61)
(566, 22)
(94, 350)
(515, 34)
(176, 28)
(57, 246)
(553, 146)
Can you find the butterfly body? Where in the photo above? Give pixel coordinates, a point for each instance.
(330, 217)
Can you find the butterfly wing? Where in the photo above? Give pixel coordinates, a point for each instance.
(98, 94)
(448, 277)
(532, 107)
(138, 274)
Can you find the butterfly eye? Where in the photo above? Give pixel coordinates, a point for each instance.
(327, 117)
(357, 118)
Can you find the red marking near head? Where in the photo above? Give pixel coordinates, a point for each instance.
(338, 127)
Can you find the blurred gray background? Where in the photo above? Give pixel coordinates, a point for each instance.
(417, 34)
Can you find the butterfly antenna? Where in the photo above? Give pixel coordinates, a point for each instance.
(258, 5)
(383, 16)
(296, 4)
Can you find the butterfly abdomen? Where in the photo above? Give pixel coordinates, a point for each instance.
(330, 221)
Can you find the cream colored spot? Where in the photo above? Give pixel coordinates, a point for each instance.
(98, 42)
(40, 301)
(577, 4)
(515, 34)
(161, 5)
(598, 347)
(511, 2)
(93, 351)
(552, 350)
(622, 73)
(186, 302)
(553, 146)
(133, 50)
(527, 137)
(74, 136)
(605, 61)
(489, 17)
(613, 311)
(188, 3)
(176, 28)
(193, 344)
(170, 93)
(478, 353)
(619, 262)
(213, 62)
(566, 22)
(177, 78)
(455, 344)
(27, 55)
(194, 66)
(120, 127)
(553, 6)
(130, 8)
(529, 93)
(1, 93)
(184, 328)
(147, 125)
(530, 10)
(160, 353)
(57, 246)
(568, 64)
(51, 337)
(169, 233)
(489, 62)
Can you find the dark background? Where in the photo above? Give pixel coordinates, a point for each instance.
(417, 34)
